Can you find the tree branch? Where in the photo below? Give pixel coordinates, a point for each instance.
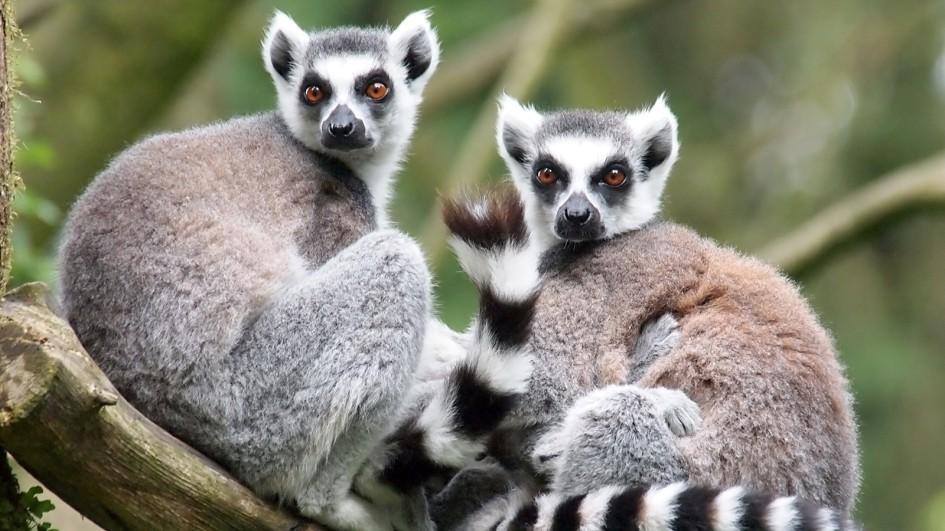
(63, 421)
(8, 179)
(904, 191)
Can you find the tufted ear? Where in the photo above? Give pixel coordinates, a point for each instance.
(283, 45)
(515, 129)
(414, 42)
(656, 129)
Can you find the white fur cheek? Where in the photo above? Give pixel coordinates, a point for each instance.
(641, 207)
(538, 218)
(303, 130)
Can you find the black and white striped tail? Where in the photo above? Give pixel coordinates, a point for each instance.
(676, 507)
(491, 240)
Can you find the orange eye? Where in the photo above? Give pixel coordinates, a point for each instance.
(313, 94)
(377, 91)
(546, 176)
(615, 177)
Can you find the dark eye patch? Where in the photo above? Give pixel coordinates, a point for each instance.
(374, 76)
(313, 78)
(612, 196)
(377, 108)
(548, 193)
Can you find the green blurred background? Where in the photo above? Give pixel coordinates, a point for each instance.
(784, 108)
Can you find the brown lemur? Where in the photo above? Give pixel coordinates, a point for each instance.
(776, 413)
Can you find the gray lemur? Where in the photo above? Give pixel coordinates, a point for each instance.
(775, 407)
(230, 281)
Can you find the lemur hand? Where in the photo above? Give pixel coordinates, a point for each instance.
(681, 414)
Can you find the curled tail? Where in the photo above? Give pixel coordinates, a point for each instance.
(491, 240)
(676, 507)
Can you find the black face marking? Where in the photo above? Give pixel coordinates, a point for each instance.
(378, 75)
(377, 108)
(344, 131)
(578, 220)
(280, 55)
(613, 196)
(659, 148)
(313, 79)
(548, 192)
(419, 56)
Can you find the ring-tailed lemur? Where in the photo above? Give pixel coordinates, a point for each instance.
(776, 411)
(637, 427)
(230, 281)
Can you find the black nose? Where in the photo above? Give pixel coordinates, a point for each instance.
(343, 131)
(341, 122)
(340, 128)
(577, 215)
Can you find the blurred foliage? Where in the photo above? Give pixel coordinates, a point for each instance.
(784, 108)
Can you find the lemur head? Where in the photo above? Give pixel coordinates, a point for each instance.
(586, 175)
(352, 93)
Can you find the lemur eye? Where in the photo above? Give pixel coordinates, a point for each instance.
(546, 176)
(615, 177)
(313, 94)
(377, 91)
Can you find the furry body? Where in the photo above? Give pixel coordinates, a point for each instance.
(776, 415)
(257, 306)
(231, 282)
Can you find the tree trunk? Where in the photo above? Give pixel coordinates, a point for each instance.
(7, 178)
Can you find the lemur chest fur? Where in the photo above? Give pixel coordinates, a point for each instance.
(630, 279)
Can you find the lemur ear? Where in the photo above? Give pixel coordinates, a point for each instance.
(515, 129)
(656, 129)
(283, 45)
(414, 42)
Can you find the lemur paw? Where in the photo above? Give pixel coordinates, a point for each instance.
(658, 337)
(682, 415)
